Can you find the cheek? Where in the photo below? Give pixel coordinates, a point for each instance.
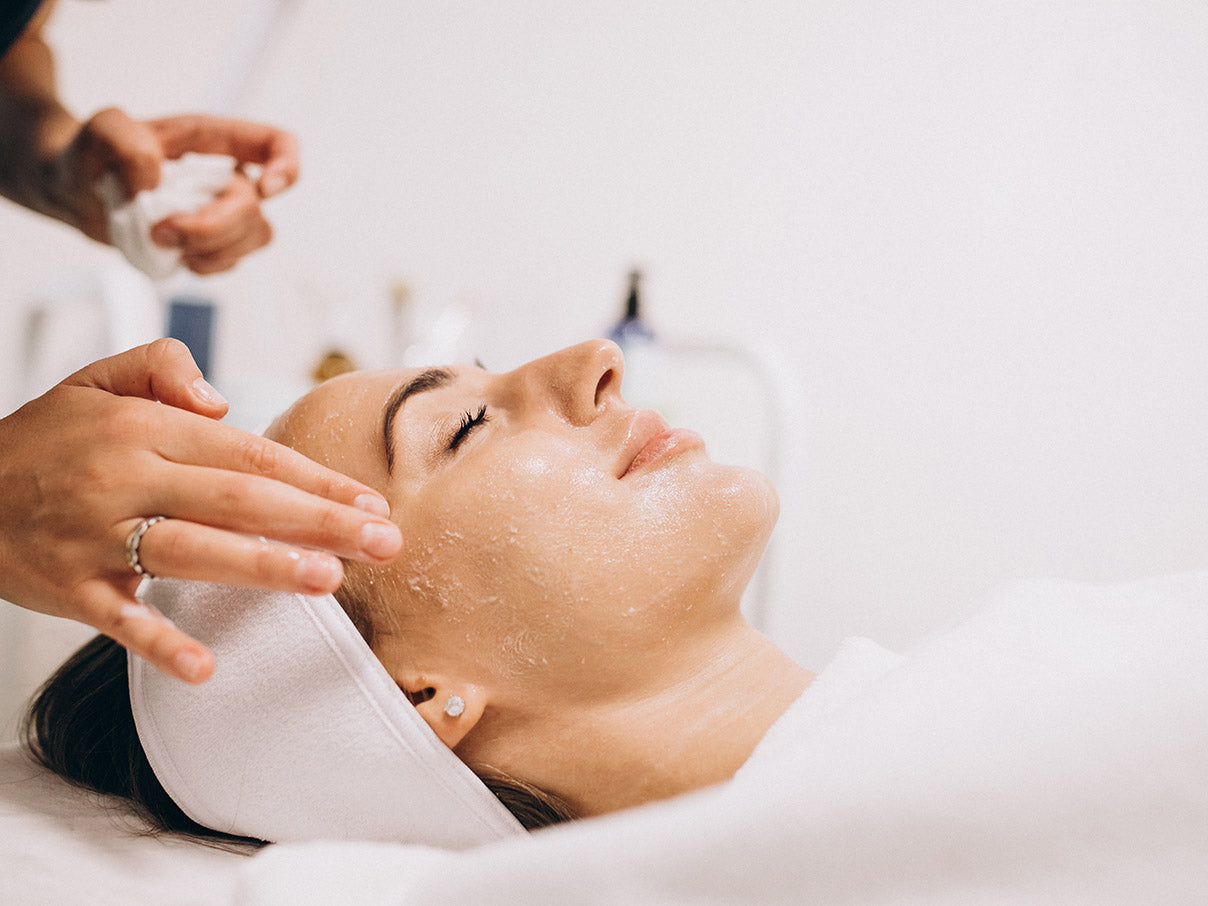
(492, 553)
(529, 552)
(698, 528)
(505, 520)
(550, 525)
(526, 515)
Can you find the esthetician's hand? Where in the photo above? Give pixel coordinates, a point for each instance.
(136, 435)
(50, 161)
(214, 238)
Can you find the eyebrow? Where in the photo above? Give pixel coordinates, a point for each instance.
(425, 380)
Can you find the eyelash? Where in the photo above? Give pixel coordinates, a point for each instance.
(468, 423)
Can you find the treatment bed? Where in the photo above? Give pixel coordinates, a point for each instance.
(1050, 748)
(60, 844)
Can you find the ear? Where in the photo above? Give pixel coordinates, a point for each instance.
(436, 699)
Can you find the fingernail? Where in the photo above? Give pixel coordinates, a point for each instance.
(166, 236)
(381, 539)
(188, 665)
(208, 394)
(318, 573)
(372, 503)
(272, 184)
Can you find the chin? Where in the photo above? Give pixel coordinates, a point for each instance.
(752, 496)
(764, 509)
(742, 507)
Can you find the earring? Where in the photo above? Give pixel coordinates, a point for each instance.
(455, 705)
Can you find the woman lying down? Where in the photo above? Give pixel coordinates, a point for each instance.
(561, 638)
(564, 617)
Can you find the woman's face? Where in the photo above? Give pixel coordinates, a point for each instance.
(554, 535)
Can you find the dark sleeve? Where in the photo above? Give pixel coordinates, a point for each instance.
(14, 16)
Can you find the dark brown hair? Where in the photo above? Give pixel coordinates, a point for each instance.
(80, 726)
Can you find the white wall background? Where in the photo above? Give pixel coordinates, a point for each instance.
(976, 231)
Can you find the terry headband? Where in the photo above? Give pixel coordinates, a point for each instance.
(300, 734)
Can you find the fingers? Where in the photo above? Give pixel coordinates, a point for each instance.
(186, 550)
(141, 630)
(253, 505)
(251, 143)
(216, 237)
(227, 258)
(114, 141)
(110, 141)
(163, 370)
(179, 464)
(218, 475)
(183, 439)
(280, 165)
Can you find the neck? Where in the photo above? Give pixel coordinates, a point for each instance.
(693, 725)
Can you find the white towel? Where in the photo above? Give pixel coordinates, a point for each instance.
(300, 734)
(1052, 749)
(186, 185)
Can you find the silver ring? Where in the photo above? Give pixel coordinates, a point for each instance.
(134, 539)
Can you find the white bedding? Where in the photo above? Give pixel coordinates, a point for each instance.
(1053, 748)
(59, 845)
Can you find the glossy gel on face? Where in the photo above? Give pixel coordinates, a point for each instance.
(526, 555)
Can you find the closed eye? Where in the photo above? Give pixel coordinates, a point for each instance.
(468, 423)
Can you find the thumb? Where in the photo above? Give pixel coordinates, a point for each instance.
(163, 371)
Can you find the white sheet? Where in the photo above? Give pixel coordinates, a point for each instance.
(1051, 749)
(59, 844)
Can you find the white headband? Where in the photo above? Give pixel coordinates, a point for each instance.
(300, 734)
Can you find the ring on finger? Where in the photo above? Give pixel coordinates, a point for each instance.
(134, 539)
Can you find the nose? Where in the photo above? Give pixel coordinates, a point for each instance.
(578, 382)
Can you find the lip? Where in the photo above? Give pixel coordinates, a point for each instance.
(650, 440)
